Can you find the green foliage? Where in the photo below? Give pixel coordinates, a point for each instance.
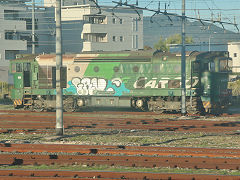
(147, 48)
(163, 45)
(235, 87)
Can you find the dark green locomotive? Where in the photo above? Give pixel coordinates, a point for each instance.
(141, 79)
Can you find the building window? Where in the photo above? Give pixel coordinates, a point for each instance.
(235, 55)
(11, 15)
(135, 24)
(135, 42)
(121, 39)
(114, 38)
(29, 23)
(28, 38)
(10, 54)
(114, 21)
(9, 35)
(120, 21)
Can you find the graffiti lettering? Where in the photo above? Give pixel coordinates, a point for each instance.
(164, 83)
(90, 86)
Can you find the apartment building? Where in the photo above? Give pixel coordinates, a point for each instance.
(10, 34)
(99, 28)
(45, 30)
(234, 53)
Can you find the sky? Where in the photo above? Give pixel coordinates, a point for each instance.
(205, 9)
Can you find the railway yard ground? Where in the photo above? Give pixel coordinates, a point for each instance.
(120, 144)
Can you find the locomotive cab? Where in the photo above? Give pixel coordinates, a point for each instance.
(21, 69)
(214, 75)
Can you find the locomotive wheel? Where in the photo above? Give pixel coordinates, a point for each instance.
(37, 108)
(69, 105)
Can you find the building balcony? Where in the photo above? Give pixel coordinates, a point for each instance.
(95, 46)
(15, 44)
(95, 28)
(14, 25)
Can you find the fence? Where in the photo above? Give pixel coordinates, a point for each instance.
(5, 89)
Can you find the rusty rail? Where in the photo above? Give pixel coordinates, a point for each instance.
(38, 122)
(131, 156)
(115, 150)
(40, 174)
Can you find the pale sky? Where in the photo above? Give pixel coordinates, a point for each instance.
(227, 9)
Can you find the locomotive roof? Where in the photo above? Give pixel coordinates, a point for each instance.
(23, 57)
(127, 56)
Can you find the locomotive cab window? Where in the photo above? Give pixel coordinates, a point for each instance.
(212, 66)
(205, 67)
(196, 67)
(223, 65)
(13, 68)
(18, 67)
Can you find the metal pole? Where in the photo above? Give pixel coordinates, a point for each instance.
(209, 43)
(183, 63)
(33, 27)
(59, 101)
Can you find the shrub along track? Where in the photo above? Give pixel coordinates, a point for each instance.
(23, 121)
(127, 156)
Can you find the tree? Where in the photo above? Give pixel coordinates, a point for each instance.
(174, 39)
(147, 48)
(161, 45)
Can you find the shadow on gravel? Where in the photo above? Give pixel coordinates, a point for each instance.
(228, 124)
(80, 134)
(174, 140)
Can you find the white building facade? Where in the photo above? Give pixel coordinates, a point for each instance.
(234, 53)
(101, 28)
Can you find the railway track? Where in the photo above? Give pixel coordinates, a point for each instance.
(130, 156)
(65, 175)
(117, 156)
(115, 150)
(22, 121)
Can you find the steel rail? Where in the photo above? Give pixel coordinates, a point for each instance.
(116, 150)
(54, 174)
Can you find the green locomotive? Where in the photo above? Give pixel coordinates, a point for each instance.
(141, 79)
